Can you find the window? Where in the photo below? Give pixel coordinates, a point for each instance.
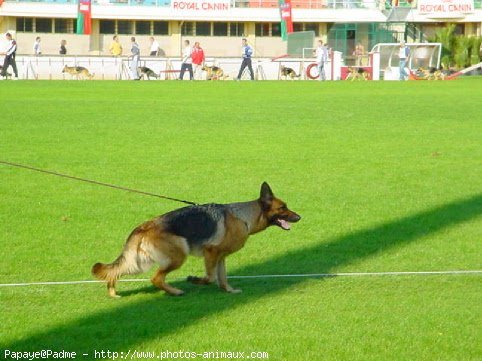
(24, 25)
(262, 29)
(236, 29)
(314, 27)
(298, 27)
(43, 25)
(161, 28)
(203, 28)
(220, 29)
(187, 28)
(276, 29)
(63, 26)
(143, 27)
(107, 27)
(124, 27)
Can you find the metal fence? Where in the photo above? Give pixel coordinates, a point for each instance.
(301, 4)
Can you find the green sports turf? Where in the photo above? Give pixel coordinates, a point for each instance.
(386, 175)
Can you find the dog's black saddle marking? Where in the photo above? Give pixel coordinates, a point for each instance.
(195, 223)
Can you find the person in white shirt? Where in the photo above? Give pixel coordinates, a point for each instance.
(321, 53)
(154, 50)
(37, 50)
(10, 56)
(403, 55)
(186, 61)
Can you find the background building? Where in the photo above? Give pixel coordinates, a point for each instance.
(220, 24)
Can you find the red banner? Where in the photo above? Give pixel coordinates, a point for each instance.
(84, 18)
(286, 19)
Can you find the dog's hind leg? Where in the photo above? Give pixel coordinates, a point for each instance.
(170, 253)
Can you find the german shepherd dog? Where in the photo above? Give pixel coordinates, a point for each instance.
(78, 71)
(431, 73)
(214, 72)
(355, 73)
(147, 72)
(288, 72)
(212, 231)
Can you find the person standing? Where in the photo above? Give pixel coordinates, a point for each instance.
(247, 52)
(10, 56)
(321, 59)
(63, 49)
(358, 54)
(403, 55)
(198, 60)
(186, 61)
(115, 47)
(154, 49)
(136, 54)
(37, 50)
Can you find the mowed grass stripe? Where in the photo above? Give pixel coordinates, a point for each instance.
(385, 175)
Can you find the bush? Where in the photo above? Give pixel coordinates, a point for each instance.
(457, 50)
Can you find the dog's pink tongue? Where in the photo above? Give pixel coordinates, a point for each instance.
(284, 224)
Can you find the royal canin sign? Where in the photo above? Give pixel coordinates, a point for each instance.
(445, 7)
(200, 6)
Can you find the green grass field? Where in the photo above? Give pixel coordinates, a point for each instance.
(386, 175)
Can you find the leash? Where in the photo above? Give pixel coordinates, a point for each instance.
(95, 182)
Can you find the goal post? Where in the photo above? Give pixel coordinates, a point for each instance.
(299, 40)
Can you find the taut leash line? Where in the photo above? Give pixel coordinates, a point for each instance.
(11, 164)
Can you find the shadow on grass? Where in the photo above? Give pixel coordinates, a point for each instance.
(131, 322)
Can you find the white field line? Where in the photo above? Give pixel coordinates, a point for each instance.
(306, 275)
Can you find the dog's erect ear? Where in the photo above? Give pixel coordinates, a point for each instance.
(266, 195)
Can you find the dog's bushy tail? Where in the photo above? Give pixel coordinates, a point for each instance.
(125, 264)
(109, 272)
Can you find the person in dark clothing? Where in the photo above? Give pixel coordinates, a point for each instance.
(247, 52)
(63, 49)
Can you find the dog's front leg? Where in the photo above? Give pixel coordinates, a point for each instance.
(223, 278)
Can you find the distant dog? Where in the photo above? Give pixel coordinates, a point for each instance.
(356, 73)
(288, 72)
(431, 73)
(7, 74)
(78, 71)
(213, 231)
(214, 72)
(147, 72)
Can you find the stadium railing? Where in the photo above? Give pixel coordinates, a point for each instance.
(297, 4)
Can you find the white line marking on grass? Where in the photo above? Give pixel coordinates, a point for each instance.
(306, 275)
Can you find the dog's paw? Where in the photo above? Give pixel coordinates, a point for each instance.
(233, 290)
(176, 293)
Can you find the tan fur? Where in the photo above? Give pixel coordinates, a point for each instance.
(285, 72)
(82, 74)
(151, 243)
(428, 75)
(353, 74)
(212, 74)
